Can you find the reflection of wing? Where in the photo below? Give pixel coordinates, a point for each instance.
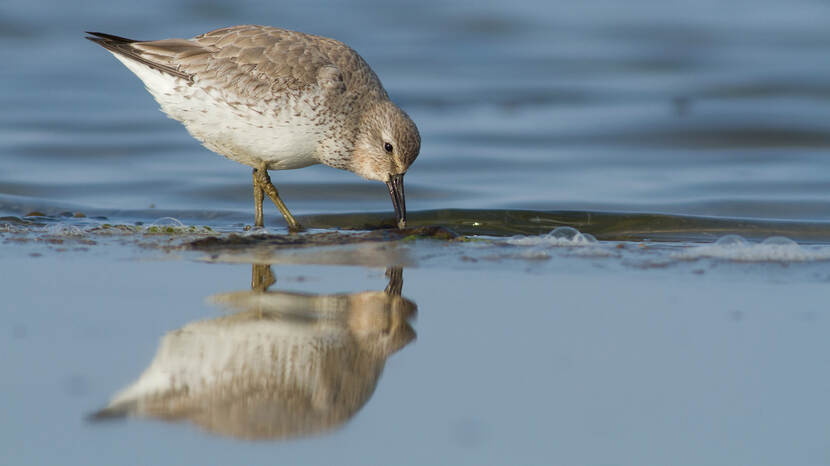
(287, 364)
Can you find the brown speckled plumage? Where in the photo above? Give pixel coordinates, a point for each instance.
(265, 62)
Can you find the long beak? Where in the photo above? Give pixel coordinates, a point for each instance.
(395, 185)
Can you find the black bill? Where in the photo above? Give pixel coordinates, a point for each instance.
(395, 185)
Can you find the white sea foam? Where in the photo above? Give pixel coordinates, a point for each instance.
(559, 237)
(533, 254)
(63, 229)
(170, 225)
(257, 231)
(567, 239)
(773, 249)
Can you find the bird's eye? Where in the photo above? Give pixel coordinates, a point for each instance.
(387, 147)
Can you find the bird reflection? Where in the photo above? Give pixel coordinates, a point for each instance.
(284, 365)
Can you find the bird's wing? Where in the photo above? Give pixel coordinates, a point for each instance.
(254, 55)
(255, 63)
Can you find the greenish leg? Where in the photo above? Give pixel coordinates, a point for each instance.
(264, 181)
(258, 197)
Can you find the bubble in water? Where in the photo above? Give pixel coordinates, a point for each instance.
(167, 221)
(572, 235)
(564, 233)
(561, 236)
(731, 241)
(779, 241)
(772, 249)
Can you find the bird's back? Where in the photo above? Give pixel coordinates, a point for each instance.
(286, 60)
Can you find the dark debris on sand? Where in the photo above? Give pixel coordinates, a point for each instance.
(329, 238)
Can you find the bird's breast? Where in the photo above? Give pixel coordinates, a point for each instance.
(286, 132)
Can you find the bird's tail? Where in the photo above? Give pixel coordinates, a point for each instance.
(112, 412)
(125, 48)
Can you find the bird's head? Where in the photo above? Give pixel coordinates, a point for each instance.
(387, 144)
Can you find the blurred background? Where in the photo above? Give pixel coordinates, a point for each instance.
(703, 107)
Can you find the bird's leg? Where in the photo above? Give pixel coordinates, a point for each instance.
(262, 277)
(395, 286)
(264, 181)
(258, 197)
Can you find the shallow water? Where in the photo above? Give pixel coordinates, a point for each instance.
(531, 352)
(649, 336)
(690, 110)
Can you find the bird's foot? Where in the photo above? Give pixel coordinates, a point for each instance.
(263, 184)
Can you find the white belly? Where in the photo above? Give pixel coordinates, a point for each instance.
(284, 138)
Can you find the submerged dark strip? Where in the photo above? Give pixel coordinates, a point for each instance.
(381, 226)
(331, 238)
(610, 226)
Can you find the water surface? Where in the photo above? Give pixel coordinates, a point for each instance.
(695, 109)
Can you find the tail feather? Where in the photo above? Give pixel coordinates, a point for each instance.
(123, 46)
(109, 37)
(111, 413)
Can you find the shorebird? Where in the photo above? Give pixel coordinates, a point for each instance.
(276, 99)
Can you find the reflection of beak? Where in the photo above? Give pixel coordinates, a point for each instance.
(395, 185)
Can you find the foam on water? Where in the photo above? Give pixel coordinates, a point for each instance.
(559, 237)
(87, 227)
(64, 229)
(773, 249)
(566, 238)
